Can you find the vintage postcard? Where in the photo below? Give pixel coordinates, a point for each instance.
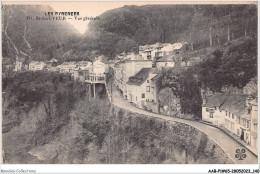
(129, 82)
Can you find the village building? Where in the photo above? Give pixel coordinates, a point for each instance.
(156, 51)
(7, 66)
(18, 65)
(124, 69)
(151, 52)
(8, 63)
(36, 66)
(254, 123)
(96, 72)
(167, 61)
(98, 67)
(67, 67)
(142, 90)
(49, 67)
(84, 64)
(128, 56)
(230, 111)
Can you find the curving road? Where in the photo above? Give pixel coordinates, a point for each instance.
(227, 143)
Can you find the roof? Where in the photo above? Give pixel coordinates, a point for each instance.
(167, 58)
(83, 63)
(69, 63)
(155, 78)
(234, 103)
(177, 46)
(140, 77)
(37, 63)
(253, 102)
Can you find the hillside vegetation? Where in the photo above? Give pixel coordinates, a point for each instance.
(124, 29)
(34, 39)
(48, 118)
(232, 66)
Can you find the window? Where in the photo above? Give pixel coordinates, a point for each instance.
(244, 122)
(143, 95)
(255, 127)
(232, 116)
(147, 81)
(157, 54)
(249, 111)
(215, 108)
(147, 88)
(247, 124)
(211, 115)
(152, 89)
(207, 109)
(226, 113)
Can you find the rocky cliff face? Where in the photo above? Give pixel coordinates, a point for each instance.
(59, 129)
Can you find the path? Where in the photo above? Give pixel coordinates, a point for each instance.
(228, 144)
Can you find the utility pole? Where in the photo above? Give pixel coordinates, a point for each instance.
(94, 90)
(111, 90)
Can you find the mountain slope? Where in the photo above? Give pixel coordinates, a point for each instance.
(124, 29)
(38, 39)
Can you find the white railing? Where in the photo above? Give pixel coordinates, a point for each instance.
(96, 78)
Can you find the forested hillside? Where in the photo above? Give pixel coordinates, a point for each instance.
(230, 68)
(124, 29)
(35, 39)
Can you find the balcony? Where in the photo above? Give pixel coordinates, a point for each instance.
(95, 78)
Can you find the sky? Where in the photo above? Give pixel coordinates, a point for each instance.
(85, 8)
(93, 9)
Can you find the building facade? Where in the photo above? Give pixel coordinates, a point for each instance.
(36, 66)
(67, 67)
(236, 113)
(142, 89)
(124, 69)
(167, 61)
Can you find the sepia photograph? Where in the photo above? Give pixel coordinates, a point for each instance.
(126, 82)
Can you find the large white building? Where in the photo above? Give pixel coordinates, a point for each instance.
(124, 69)
(142, 89)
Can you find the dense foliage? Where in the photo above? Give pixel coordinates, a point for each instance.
(55, 92)
(60, 123)
(35, 39)
(232, 65)
(124, 29)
